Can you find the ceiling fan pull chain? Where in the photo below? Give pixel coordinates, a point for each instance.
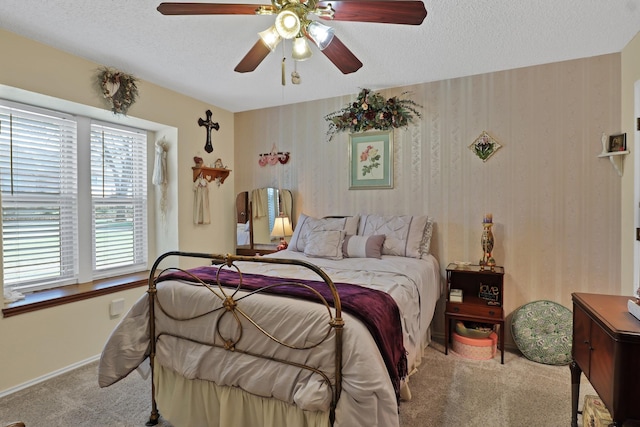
(284, 81)
(282, 77)
(295, 76)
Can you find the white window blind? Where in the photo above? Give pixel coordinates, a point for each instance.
(119, 199)
(39, 197)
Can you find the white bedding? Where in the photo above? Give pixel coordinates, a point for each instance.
(367, 399)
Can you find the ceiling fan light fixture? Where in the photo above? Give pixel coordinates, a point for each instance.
(270, 37)
(320, 34)
(326, 12)
(265, 10)
(301, 50)
(287, 24)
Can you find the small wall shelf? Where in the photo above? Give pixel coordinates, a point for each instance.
(616, 159)
(210, 174)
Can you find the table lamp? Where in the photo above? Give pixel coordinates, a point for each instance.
(282, 228)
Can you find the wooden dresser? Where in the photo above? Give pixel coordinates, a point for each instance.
(606, 347)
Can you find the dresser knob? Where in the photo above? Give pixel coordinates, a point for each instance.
(492, 313)
(456, 309)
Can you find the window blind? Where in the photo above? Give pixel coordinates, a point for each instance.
(39, 197)
(119, 199)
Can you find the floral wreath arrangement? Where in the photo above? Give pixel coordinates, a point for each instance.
(118, 88)
(372, 111)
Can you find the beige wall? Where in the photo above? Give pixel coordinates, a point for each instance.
(629, 212)
(36, 344)
(556, 205)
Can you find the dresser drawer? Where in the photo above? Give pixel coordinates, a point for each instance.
(475, 310)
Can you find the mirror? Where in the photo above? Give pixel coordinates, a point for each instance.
(256, 212)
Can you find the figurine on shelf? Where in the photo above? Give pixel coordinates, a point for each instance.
(487, 242)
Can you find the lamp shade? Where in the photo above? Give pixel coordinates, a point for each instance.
(301, 50)
(287, 24)
(282, 227)
(270, 37)
(320, 34)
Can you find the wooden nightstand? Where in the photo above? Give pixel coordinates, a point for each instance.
(471, 279)
(256, 250)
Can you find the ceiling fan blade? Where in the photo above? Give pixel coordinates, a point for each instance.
(342, 57)
(253, 58)
(409, 12)
(212, 9)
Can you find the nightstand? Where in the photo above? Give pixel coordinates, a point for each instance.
(258, 249)
(482, 293)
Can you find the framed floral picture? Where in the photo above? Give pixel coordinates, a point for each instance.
(371, 160)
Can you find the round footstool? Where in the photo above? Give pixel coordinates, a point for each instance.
(542, 331)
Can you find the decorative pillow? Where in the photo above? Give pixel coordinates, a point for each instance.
(363, 246)
(425, 244)
(325, 244)
(306, 224)
(404, 233)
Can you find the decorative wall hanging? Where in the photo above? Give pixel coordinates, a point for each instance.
(208, 124)
(485, 146)
(160, 174)
(371, 160)
(117, 88)
(273, 158)
(216, 172)
(372, 111)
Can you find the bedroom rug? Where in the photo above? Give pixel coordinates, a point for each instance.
(448, 391)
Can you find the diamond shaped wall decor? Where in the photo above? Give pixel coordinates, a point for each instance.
(484, 146)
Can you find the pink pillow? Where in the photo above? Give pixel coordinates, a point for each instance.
(363, 246)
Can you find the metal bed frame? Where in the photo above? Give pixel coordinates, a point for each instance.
(231, 305)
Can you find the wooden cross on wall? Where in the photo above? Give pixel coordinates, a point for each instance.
(208, 147)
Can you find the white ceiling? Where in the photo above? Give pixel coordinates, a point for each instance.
(196, 55)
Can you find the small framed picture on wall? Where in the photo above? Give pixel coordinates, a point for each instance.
(617, 142)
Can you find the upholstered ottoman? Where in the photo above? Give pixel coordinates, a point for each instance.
(594, 413)
(475, 348)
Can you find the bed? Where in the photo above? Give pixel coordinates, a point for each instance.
(243, 356)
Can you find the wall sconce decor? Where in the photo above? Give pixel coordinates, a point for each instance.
(209, 124)
(273, 158)
(484, 146)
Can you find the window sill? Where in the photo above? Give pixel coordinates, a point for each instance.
(73, 293)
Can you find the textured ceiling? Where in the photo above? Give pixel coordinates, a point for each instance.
(196, 55)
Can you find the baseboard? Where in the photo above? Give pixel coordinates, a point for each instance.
(48, 376)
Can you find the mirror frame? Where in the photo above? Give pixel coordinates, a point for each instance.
(244, 209)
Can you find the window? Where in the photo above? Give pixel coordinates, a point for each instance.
(119, 199)
(39, 198)
(43, 204)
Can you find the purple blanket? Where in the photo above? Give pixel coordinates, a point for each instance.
(376, 309)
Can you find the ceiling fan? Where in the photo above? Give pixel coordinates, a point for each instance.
(293, 22)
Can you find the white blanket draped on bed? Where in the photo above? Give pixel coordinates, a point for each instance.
(368, 397)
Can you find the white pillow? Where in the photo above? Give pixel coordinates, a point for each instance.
(305, 224)
(363, 246)
(404, 233)
(325, 244)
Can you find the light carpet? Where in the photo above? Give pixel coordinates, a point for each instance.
(448, 391)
